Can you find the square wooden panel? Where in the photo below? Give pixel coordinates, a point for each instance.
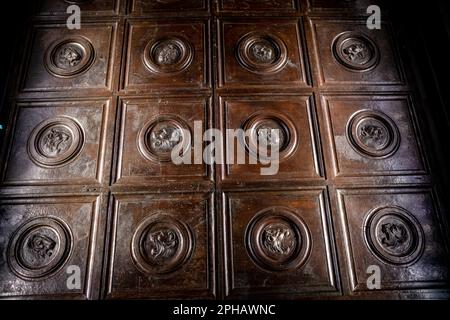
(371, 136)
(169, 6)
(295, 119)
(75, 61)
(167, 55)
(346, 53)
(260, 7)
(278, 245)
(261, 54)
(60, 143)
(88, 8)
(44, 241)
(350, 7)
(396, 230)
(163, 245)
(150, 129)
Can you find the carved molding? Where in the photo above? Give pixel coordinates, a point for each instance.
(69, 57)
(356, 51)
(373, 133)
(260, 126)
(160, 135)
(394, 235)
(262, 53)
(168, 55)
(39, 248)
(277, 239)
(161, 244)
(55, 142)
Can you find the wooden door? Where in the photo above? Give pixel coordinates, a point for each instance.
(89, 189)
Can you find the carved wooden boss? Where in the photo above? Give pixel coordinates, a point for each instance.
(88, 181)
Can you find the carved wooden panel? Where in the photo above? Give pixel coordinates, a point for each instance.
(370, 136)
(88, 7)
(346, 52)
(348, 7)
(258, 7)
(63, 60)
(162, 245)
(41, 238)
(60, 142)
(89, 177)
(296, 138)
(167, 55)
(264, 54)
(277, 244)
(150, 130)
(187, 7)
(396, 230)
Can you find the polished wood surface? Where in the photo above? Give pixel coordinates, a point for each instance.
(87, 179)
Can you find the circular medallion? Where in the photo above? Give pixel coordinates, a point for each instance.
(268, 130)
(262, 53)
(69, 57)
(355, 51)
(394, 236)
(39, 248)
(55, 142)
(161, 244)
(372, 133)
(168, 55)
(161, 135)
(278, 240)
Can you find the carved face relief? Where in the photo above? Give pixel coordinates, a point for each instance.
(164, 137)
(272, 134)
(161, 245)
(168, 55)
(39, 248)
(356, 51)
(394, 235)
(55, 142)
(373, 134)
(279, 239)
(158, 138)
(69, 57)
(262, 53)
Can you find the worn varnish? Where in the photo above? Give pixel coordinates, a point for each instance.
(87, 179)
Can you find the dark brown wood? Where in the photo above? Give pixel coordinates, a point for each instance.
(87, 180)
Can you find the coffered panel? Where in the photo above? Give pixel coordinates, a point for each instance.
(167, 55)
(370, 136)
(60, 142)
(346, 53)
(46, 240)
(186, 7)
(293, 118)
(163, 245)
(257, 7)
(151, 129)
(344, 7)
(278, 245)
(261, 54)
(76, 61)
(398, 232)
(88, 8)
